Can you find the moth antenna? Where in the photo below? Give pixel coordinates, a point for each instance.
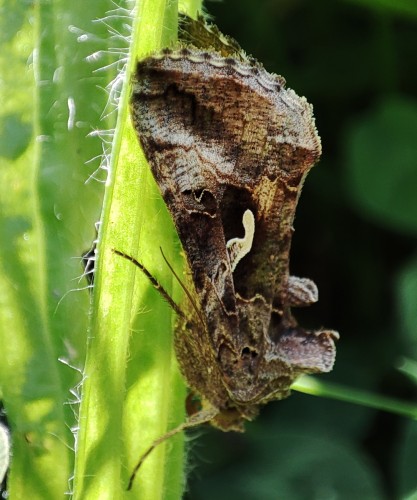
(199, 418)
(153, 281)
(200, 317)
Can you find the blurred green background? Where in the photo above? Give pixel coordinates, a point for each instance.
(356, 229)
(355, 236)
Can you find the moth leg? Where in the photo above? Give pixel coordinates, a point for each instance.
(199, 418)
(153, 281)
(301, 292)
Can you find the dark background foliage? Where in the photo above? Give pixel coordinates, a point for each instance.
(356, 229)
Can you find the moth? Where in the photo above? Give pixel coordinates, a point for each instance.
(230, 147)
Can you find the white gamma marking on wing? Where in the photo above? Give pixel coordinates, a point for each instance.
(239, 247)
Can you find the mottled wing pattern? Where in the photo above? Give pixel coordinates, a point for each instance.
(223, 139)
(229, 147)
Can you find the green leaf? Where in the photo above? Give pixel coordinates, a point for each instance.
(405, 462)
(407, 311)
(47, 215)
(409, 368)
(381, 164)
(404, 7)
(295, 464)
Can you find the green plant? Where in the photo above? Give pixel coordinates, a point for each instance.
(51, 102)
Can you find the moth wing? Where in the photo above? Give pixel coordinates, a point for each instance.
(305, 351)
(222, 138)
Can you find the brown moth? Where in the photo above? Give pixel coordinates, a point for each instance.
(230, 147)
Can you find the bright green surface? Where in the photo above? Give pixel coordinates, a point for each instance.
(355, 236)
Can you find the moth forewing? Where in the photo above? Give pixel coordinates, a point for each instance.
(230, 147)
(225, 139)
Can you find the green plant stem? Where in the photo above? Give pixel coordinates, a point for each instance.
(132, 391)
(314, 387)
